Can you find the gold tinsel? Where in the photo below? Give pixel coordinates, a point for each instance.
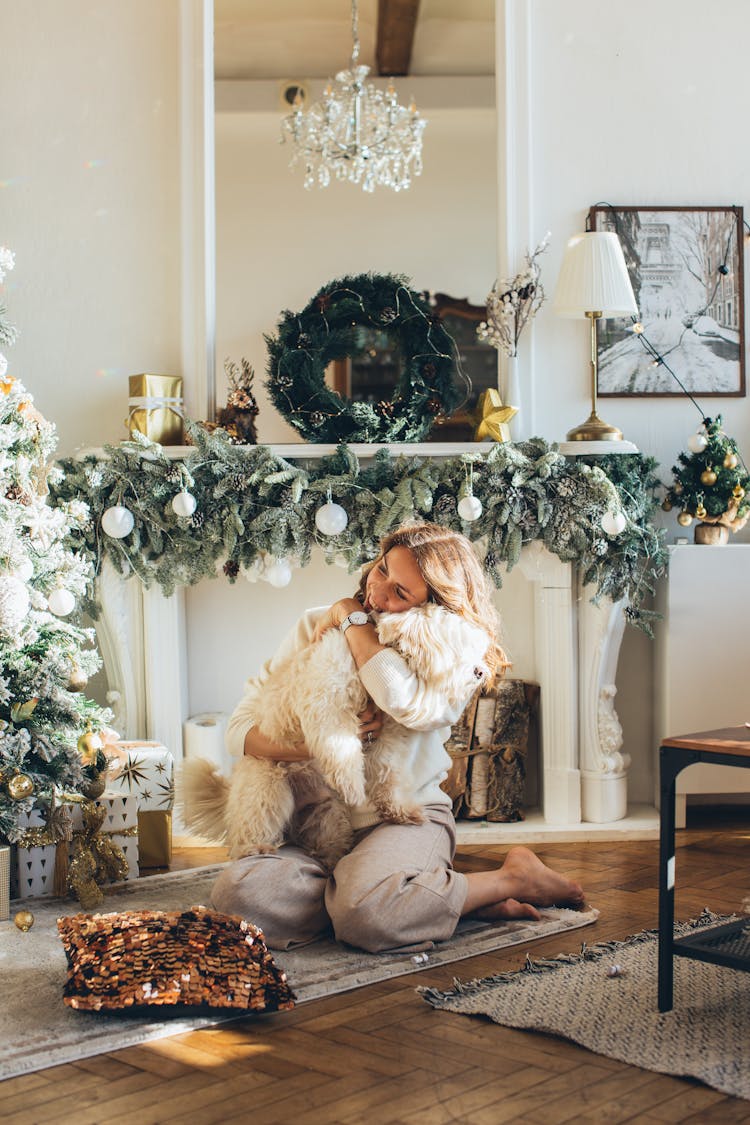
(96, 857)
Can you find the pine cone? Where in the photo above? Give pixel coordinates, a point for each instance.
(231, 568)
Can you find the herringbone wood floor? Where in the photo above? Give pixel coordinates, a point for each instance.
(380, 1054)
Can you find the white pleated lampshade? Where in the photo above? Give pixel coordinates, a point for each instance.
(594, 278)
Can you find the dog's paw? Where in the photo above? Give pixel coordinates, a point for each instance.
(398, 814)
(351, 790)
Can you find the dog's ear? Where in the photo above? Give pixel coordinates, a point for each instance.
(422, 636)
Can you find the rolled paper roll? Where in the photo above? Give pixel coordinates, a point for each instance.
(203, 737)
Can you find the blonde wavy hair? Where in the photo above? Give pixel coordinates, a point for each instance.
(454, 578)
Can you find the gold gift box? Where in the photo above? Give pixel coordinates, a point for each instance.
(155, 407)
(154, 838)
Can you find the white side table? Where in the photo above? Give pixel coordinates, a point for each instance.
(703, 657)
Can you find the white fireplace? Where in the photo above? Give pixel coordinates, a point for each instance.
(143, 640)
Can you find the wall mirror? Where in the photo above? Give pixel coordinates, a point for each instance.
(277, 242)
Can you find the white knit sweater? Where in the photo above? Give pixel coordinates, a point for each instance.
(396, 690)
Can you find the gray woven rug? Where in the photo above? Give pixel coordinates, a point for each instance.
(37, 1030)
(605, 999)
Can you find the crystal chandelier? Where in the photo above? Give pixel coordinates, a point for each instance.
(357, 132)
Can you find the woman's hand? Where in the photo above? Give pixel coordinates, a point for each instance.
(256, 745)
(370, 723)
(333, 616)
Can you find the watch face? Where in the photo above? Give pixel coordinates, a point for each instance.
(356, 618)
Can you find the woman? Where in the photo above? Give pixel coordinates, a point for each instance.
(396, 888)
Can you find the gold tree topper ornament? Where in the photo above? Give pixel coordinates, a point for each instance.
(492, 417)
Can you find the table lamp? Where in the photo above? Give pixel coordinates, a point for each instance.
(594, 283)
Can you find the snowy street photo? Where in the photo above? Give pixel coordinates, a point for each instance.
(685, 265)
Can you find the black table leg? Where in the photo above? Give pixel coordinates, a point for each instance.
(669, 767)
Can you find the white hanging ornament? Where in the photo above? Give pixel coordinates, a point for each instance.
(278, 572)
(25, 570)
(470, 507)
(14, 604)
(697, 442)
(184, 504)
(61, 602)
(256, 569)
(613, 522)
(117, 521)
(331, 519)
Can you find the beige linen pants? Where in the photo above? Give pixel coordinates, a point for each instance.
(395, 889)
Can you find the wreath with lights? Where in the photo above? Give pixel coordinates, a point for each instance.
(326, 330)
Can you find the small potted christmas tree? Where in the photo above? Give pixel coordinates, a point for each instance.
(711, 485)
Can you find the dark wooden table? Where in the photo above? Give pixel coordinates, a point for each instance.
(722, 945)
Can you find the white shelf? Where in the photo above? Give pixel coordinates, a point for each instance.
(309, 451)
(641, 823)
(585, 448)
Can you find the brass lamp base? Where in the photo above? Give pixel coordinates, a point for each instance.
(594, 429)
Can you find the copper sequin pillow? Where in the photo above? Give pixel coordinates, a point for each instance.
(193, 957)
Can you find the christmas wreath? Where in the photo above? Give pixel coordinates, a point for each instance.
(326, 330)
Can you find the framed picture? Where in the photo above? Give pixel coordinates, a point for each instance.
(686, 268)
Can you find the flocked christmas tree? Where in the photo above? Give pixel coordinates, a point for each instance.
(710, 484)
(50, 742)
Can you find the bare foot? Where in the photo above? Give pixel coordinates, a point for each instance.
(507, 911)
(533, 882)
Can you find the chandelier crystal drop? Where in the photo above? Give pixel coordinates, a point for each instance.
(356, 132)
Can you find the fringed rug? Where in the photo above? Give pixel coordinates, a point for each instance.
(37, 1030)
(605, 999)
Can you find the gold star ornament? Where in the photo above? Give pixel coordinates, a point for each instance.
(492, 417)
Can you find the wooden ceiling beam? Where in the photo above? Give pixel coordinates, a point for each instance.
(397, 20)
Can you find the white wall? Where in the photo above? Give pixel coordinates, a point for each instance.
(632, 104)
(90, 204)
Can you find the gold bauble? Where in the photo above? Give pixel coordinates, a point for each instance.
(24, 919)
(708, 476)
(738, 491)
(20, 786)
(685, 519)
(677, 489)
(700, 512)
(78, 679)
(730, 461)
(89, 745)
(667, 505)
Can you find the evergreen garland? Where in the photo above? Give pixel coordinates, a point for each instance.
(254, 506)
(326, 330)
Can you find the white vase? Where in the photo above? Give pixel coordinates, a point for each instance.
(511, 394)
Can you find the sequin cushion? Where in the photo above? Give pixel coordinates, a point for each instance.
(194, 958)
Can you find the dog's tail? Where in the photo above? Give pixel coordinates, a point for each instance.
(201, 794)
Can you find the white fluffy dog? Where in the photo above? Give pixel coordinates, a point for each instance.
(316, 697)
